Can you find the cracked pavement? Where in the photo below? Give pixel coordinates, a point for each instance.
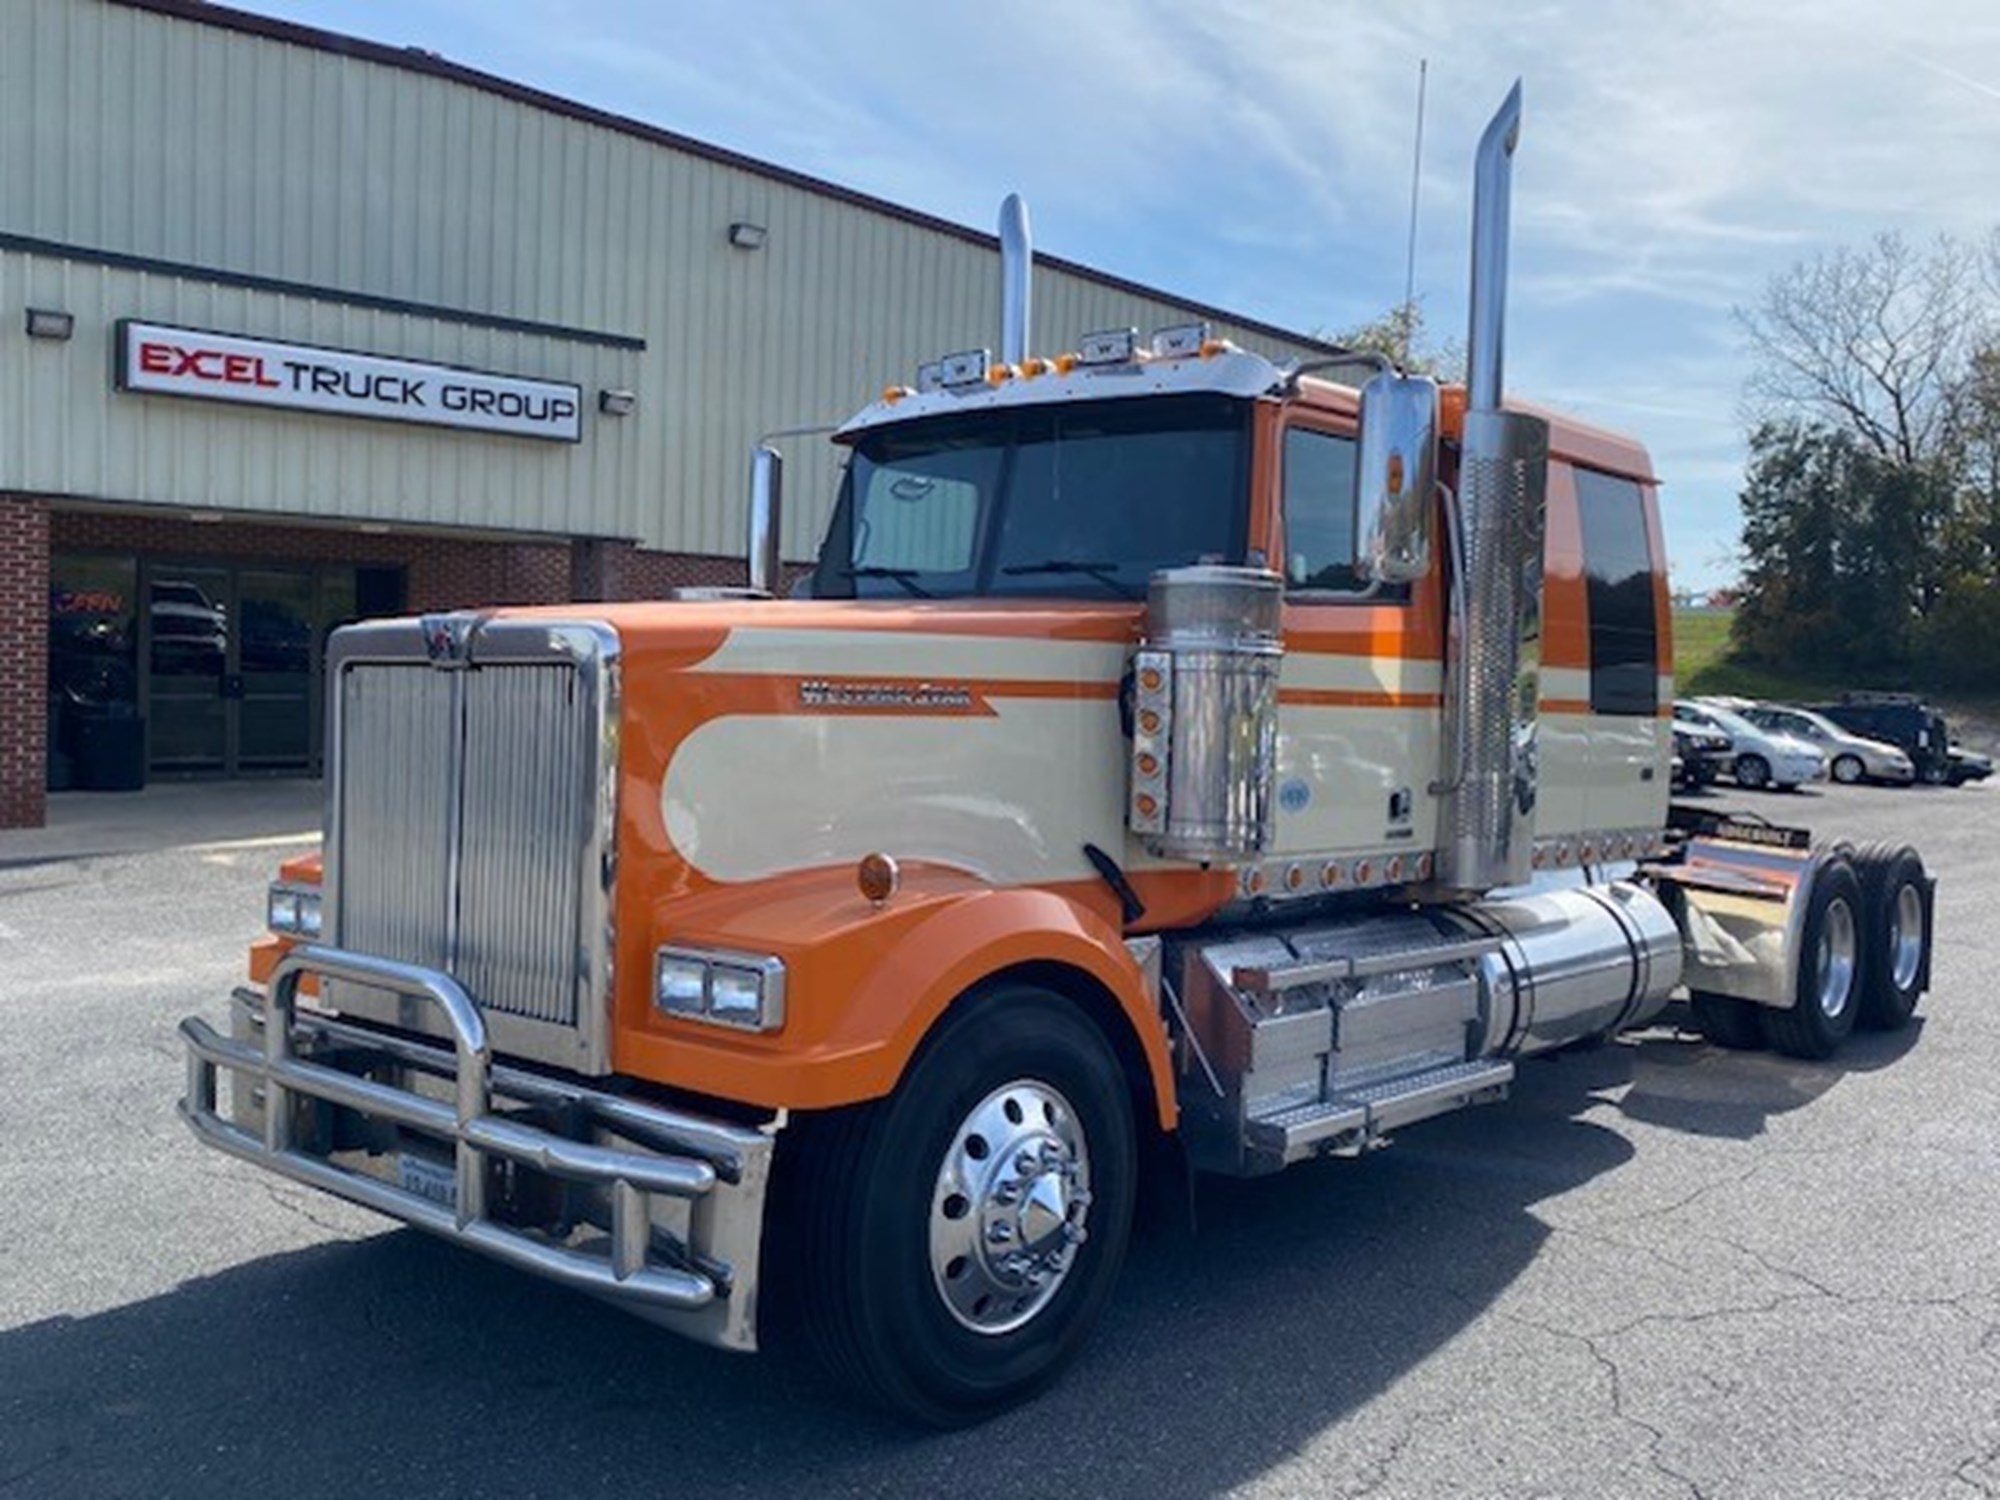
(1660, 1269)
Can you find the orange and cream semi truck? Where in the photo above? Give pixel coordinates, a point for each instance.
(1172, 758)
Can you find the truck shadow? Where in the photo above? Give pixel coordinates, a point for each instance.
(395, 1363)
(1677, 1080)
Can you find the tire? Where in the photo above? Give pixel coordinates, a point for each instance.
(1727, 1021)
(1848, 770)
(877, 1254)
(1827, 985)
(1752, 772)
(1895, 934)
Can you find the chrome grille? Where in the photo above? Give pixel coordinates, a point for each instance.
(472, 823)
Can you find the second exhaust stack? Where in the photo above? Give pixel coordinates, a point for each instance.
(1486, 827)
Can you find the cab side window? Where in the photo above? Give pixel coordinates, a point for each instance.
(1319, 513)
(1618, 586)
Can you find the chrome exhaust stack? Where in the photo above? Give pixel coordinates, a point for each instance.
(1017, 269)
(1487, 821)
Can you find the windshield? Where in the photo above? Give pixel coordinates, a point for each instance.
(1084, 501)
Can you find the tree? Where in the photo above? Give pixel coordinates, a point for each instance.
(1873, 493)
(1876, 343)
(1401, 335)
(1834, 573)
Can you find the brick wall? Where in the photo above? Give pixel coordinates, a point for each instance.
(24, 660)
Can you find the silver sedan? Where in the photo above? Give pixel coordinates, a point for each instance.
(1850, 757)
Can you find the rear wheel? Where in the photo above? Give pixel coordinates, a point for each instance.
(1895, 934)
(1752, 771)
(1847, 769)
(947, 1250)
(1827, 984)
(1727, 1021)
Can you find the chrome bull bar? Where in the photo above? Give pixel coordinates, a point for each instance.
(684, 1194)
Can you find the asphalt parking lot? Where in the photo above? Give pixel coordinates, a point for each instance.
(1659, 1269)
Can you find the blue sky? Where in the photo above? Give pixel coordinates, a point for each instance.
(1675, 153)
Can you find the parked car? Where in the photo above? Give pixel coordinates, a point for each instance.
(1700, 756)
(1901, 719)
(1963, 765)
(1763, 757)
(1850, 757)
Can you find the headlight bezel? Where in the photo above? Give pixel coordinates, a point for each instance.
(294, 909)
(758, 976)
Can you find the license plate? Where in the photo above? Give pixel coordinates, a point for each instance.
(434, 1180)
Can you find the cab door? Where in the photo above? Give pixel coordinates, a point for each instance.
(1360, 698)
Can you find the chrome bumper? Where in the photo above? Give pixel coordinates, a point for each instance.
(663, 1211)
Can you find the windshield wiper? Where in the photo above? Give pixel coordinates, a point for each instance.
(904, 578)
(1105, 573)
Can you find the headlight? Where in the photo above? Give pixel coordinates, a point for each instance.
(744, 990)
(293, 909)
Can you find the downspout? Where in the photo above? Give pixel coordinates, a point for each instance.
(1493, 678)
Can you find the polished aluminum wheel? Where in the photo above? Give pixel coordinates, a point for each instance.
(1906, 936)
(1835, 964)
(1008, 1211)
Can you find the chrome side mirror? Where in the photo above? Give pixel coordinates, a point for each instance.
(767, 503)
(1396, 477)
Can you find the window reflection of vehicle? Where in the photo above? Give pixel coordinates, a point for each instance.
(190, 631)
(274, 638)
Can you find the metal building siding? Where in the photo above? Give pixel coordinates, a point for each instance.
(65, 431)
(162, 137)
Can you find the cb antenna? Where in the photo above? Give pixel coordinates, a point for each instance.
(1409, 310)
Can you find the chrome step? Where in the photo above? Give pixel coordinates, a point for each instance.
(1359, 1116)
(1399, 1101)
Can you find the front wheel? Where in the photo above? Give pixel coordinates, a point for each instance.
(1847, 769)
(947, 1250)
(1827, 985)
(1752, 771)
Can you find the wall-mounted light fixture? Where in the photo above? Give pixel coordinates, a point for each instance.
(48, 323)
(747, 236)
(617, 403)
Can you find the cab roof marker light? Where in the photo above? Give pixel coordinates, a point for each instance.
(1111, 346)
(965, 368)
(1181, 341)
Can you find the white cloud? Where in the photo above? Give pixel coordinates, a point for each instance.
(1256, 153)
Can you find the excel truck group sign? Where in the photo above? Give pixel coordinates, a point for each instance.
(161, 360)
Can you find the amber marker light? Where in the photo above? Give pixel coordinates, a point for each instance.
(879, 877)
(1151, 680)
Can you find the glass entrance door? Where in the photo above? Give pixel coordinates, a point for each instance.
(232, 658)
(188, 654)
(273, 666)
